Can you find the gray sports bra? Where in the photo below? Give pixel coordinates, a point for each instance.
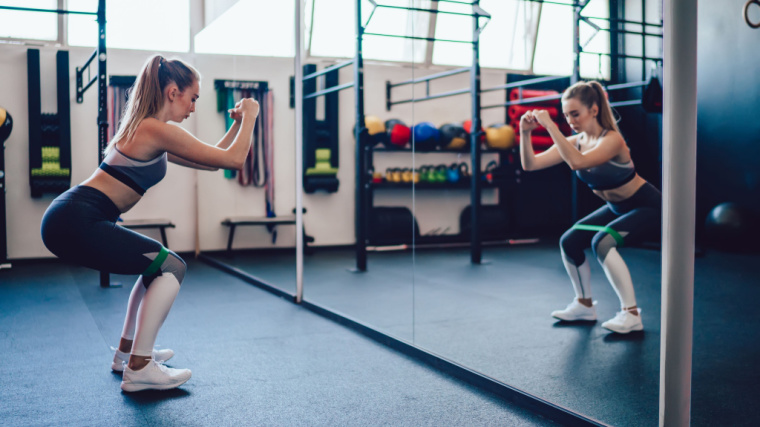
(138, 175)
(608, 175)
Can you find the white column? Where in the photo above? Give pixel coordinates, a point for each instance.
(679, 197)
(299, 149)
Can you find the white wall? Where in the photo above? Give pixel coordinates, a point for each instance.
(330, 217)
(171, 199)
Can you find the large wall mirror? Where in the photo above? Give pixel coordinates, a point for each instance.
(410, 275)
(247, 217)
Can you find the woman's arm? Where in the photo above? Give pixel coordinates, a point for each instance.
(228, 137)
(605, 150)
(234, 129)
(182, 162)
(179, 142)
(529, 159)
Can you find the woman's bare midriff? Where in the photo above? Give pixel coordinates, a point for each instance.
(623, 192)
(119, 193)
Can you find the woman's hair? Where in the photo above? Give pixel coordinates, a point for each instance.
(146, 97)
(588, 94)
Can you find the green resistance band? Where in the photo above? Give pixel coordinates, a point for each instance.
(156, 264)
(615, 235)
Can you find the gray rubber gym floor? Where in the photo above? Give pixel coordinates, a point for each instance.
(256, 359)
(495, 319)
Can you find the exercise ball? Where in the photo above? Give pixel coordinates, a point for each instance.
(397, 134)
(467, 125)
(731, 227)
(6, 125)
(374, 125)
(500, 137)
(453, 137)
(426, 136)
(375, 130)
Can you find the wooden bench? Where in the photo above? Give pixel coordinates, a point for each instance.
(161, 224)
(235, 221)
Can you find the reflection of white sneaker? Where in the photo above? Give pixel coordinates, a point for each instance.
(624, 322)
(576, 311)
(120, 358)
(154, 376)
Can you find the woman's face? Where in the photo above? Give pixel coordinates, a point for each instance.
(578, 116)
(184, 102)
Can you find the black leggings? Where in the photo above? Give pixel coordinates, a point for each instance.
(80, 227)
(632, 221)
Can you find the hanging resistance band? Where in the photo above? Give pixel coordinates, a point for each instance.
(258, 170)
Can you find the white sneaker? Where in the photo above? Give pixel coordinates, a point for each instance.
(576, 311)
(120, 358)
(154, 376)
(624, 322)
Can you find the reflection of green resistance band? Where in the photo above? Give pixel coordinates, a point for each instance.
(156, 264)
(615, 235)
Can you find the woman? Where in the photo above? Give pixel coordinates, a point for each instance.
(600, 157)
(80, 225)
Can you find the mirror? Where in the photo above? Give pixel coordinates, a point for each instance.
(246, 218)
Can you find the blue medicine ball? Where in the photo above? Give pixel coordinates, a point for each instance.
(426, 136)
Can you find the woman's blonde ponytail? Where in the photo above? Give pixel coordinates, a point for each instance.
(146, 97)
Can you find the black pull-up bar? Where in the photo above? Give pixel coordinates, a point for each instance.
(427, 39)
(329, 90)
(58, 11)
(524, 83)
(627, 85)
(328, 69)
(625, 103)
(426, 80)
(418, 9)
(619, 55)
(81, 88)
(432, 77)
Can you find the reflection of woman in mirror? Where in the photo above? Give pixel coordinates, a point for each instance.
(80, 226)
(600, 157)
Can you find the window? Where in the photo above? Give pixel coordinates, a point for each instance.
(554, 46)
(506, 42)
(333, 30)
(166, 27)
(16, 24)
(251, 27)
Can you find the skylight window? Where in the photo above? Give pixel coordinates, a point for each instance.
(29, 25)
(165, 28)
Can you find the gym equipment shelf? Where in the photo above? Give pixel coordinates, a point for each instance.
(409, 150)
(463, 185)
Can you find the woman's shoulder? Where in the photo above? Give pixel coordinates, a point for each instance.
(613, 136)
(150, 124)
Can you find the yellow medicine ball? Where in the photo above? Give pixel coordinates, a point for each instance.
(500, 137)
(374, 125)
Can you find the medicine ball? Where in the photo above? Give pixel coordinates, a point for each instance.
(500, 137)
(731, 227)
(467, 125)
(376, 129)
(397, 134)
(426, 136)
(453, 137)
(6, 125)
